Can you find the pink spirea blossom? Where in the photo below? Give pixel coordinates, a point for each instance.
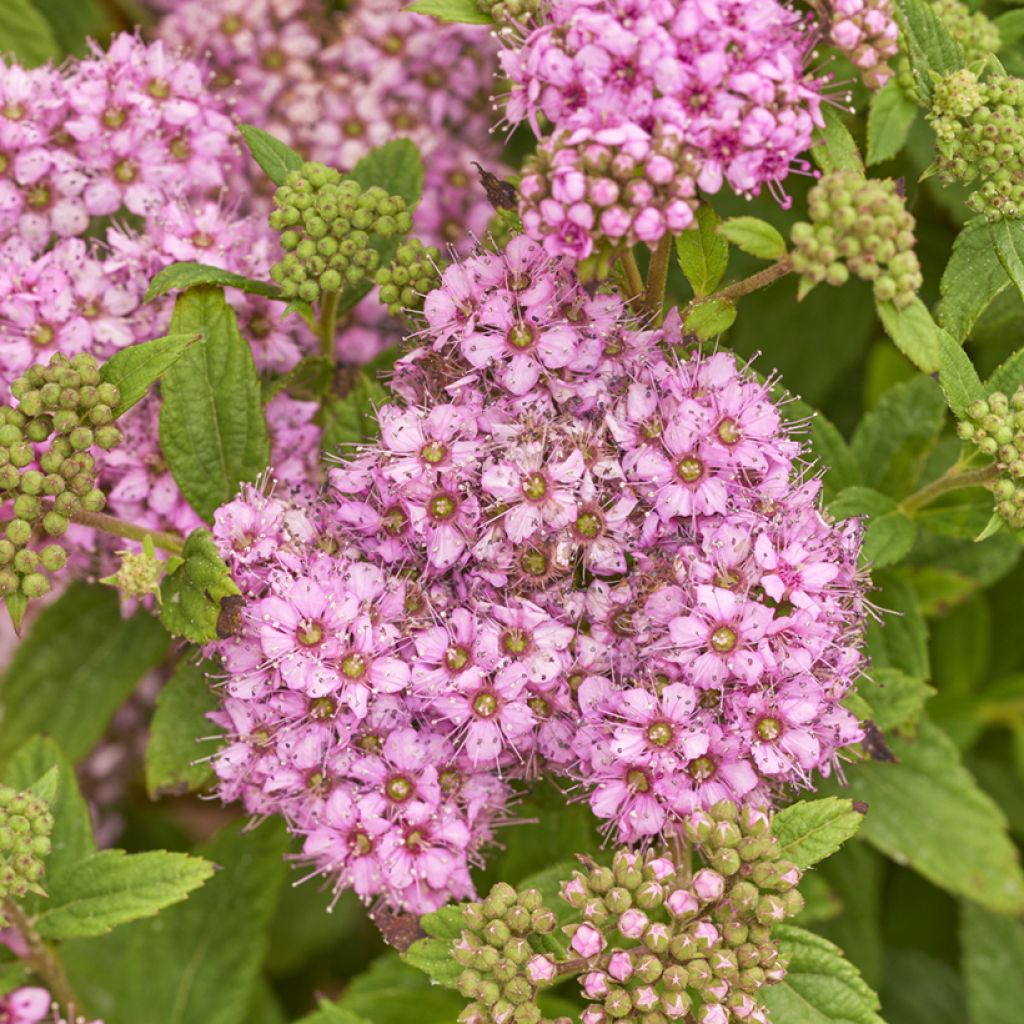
(571, 551)
(650, 101)
(31, 1004)
(866, 31)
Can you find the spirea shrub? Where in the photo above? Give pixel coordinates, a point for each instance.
(427, 595)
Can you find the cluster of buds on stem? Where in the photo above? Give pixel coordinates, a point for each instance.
(860, 226)
(47, 472)
(25, 827)
(652, 940)
(328, 225)
(866, 31)
(996, 426)
(415, 270)
(980, 140)
(515, 12)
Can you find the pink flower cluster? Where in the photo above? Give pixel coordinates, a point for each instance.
(335, 86)
(648, 101)
(572, 550)
(134, 130)
(866, 31)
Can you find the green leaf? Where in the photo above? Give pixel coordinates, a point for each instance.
(78, 664)
(812, 830)
(179, 734)
(136, 368)
(191, 595)
(71, 838)
(212, 429)
(180, 276)
(1008, 239)
(821, 986)
(45, 787)
(889, 532)
(973, 278)
(112, 888)
(914, 331)
(463, 12)
(895, 698)
(927, 811)
(709, 319)
(900, 640)
(27, 34)
(198, 961)
(703, 252)
(1008, 376)
(331, 1013)
(755, 236)
(276, 158)
(929, 44)
(834, 148)
(74, 22)
(397, 167)
(958, 378)
(921, 989)
(1011, 27)
(993, 952)
(890, 116)
(894, 439)
(393, 992)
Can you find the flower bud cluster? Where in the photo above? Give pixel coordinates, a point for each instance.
(861, 226)
(973, 30)
(47, 472)
(415, 270)
(517, 12)
(502, 969)
(25, 826)
(996, 426)
(866, 31)
(621, 182)
(326, 222)
(681, 96)
(980, 140)
(654, 940)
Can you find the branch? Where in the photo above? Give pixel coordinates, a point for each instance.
(41, 958)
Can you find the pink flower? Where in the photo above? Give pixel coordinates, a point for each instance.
(587, 941)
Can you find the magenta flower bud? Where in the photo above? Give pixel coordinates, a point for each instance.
(649, 225)
(593, 1015)
(588, 941)
(633, 923)
(532, 187)
(659, 169)
(713, 1013)
(595, 985)
(682, 903)
(615, 222)
(620, 966)
(708, 885)
(582, 215)
(846, 35)
(540, 969)
(575, 892)
(662, 868)
(568, 186)
(552, 212)
(603, 192)
(645, 998)
(706, 934)
(718, 989)
(678, 216)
